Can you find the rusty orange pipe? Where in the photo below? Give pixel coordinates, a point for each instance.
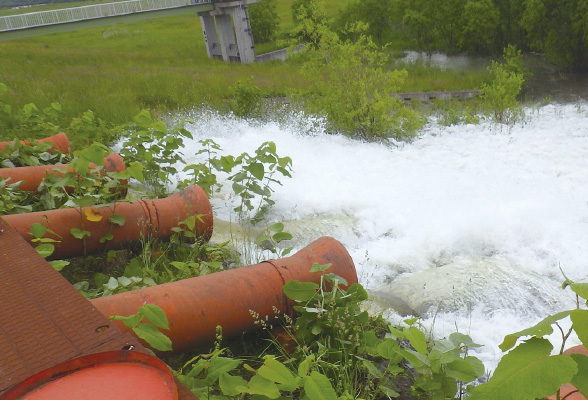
(195, 306)
(60, 142)
(143, 218)
(31, 177)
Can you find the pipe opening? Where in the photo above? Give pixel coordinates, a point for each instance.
(102, 328)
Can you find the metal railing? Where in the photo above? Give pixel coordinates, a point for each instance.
(65, 15)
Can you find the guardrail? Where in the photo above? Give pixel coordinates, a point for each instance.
(66, 15)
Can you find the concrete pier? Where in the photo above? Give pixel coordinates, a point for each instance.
(226, 27)
(227, 32)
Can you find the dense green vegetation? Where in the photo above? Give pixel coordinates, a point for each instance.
(161, 64)
(557, 28)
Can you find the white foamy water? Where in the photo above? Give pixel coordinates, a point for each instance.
(475, 219)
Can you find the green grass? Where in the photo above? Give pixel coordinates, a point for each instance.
(159, 64)
(120, 69)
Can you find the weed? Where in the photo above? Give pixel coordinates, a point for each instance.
(148, 331)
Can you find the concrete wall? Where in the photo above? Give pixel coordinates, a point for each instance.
(437, 95)
(278, 54)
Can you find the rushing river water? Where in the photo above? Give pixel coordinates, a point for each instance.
(467, 226)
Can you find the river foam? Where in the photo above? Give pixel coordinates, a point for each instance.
(470, 195)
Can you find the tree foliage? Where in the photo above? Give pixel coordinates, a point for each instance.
(353, 87)
(500, 95)
(557, 28)
(377, 14)
(310, 18)
(264, 20)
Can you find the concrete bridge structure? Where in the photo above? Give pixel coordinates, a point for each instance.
(225, 24)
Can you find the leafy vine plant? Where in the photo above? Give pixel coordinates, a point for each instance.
(530, 370)
(252, 176)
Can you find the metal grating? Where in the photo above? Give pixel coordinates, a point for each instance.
(82, 13)
(44, 321)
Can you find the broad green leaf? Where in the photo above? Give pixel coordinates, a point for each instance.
(78, 233)
(117, 219)
(228, 384)
(304, 366)
(190, 222)
(478, 365)
(94, 153)
(460, 338)
(444, 350)
(388, 392)
(143, 118)
(581, 289)
(112, 283)
(124, 281)
(541, 329)
(130, 321)
(462, 370)
(580, 380)
(133, 268)
(371, 341)
(38, 230)
(45, 249)
(335, 279)
(316, 329)
(153, 337)
(261, 386)
(100, 279)
(149, 281)
(275, 371)
(316, 267)
(278, 237)
(527, 372)
(134, 170)
(261, 238)
(59, 264)
(416, 338)
(419, 361)
(237, 188)
(372, 369)
(301, 291)
(218, 366)
(277, 227)
(318, 387)
(107, 236)
(357, 291)
(580, 323)
(389, 350)
(154, 314)
(257, 170)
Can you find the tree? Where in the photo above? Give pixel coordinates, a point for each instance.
(479, 22)
(419, 19)
(560, 29)
(353, 88)
(508, 30)
(534, 22)
(264, 20)
(377, 14)
(311, 22)
(500, 95)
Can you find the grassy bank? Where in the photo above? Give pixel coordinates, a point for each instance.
(159, 64)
